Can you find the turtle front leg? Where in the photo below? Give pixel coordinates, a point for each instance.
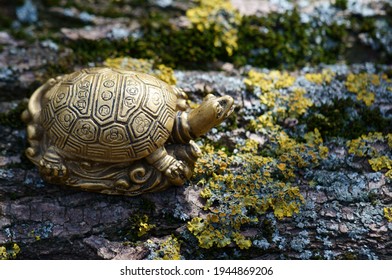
(52, 164)
(175, 170)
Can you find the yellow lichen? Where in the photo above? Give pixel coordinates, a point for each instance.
(291, 103)
(160, 71)
(259, 176)
(389, 139)
(144, 226)
(221, 17)
(267, 123)
(139, 225)
(298, 104)
(381, 163)
(169, 249)
(131, 64)
(325, 77)
(314, 138)
(241, 241)
(251, 146)
(388, 213)
(363, 146)
(247, 188)
(247, 182)
(285, 203)
(360, 85)
(166, 74)
(269, 81)
(282, 104)
(373, 146)
(299, 155)
(10, 253)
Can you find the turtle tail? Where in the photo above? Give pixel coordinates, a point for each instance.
(34, 106)
(31, 116)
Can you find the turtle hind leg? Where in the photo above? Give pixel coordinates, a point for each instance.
(52, 164)
(175, 170)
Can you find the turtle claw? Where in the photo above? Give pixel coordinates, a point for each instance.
(52, 166)
(178, 173)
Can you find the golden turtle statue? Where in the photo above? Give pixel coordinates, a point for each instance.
(116, 131)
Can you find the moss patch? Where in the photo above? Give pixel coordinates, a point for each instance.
(284, 41)
(12, 118)
(346, 118)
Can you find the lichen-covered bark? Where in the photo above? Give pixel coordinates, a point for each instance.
(341, 217)
(52, 222)
(346, 186)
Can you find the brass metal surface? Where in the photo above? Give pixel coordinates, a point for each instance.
(116, 131)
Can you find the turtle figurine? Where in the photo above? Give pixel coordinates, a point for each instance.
(117, 132)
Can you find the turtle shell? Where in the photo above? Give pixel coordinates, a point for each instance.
(108, 115)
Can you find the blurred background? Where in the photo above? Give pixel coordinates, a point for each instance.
(65, 34)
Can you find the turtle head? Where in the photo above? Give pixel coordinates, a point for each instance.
(211, 112)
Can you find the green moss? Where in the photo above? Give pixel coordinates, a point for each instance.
(341, 4)
(267, 230)
(86, 51)
(22, 34)
(12, 118)
(218, 33)
(348, 256)
(373, 198)
(388, 12)
(375, 49)
(360, 24)
(282, 40)
(162, 42)
(147, 205)
(5, 21)
(181, 48)
(63, 65)
(49, 3)
(317, 256)
(338, 120)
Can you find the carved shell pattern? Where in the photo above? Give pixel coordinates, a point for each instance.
(103, 114)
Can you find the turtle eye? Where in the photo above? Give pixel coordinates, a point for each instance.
(223, 103)
(219, 109)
